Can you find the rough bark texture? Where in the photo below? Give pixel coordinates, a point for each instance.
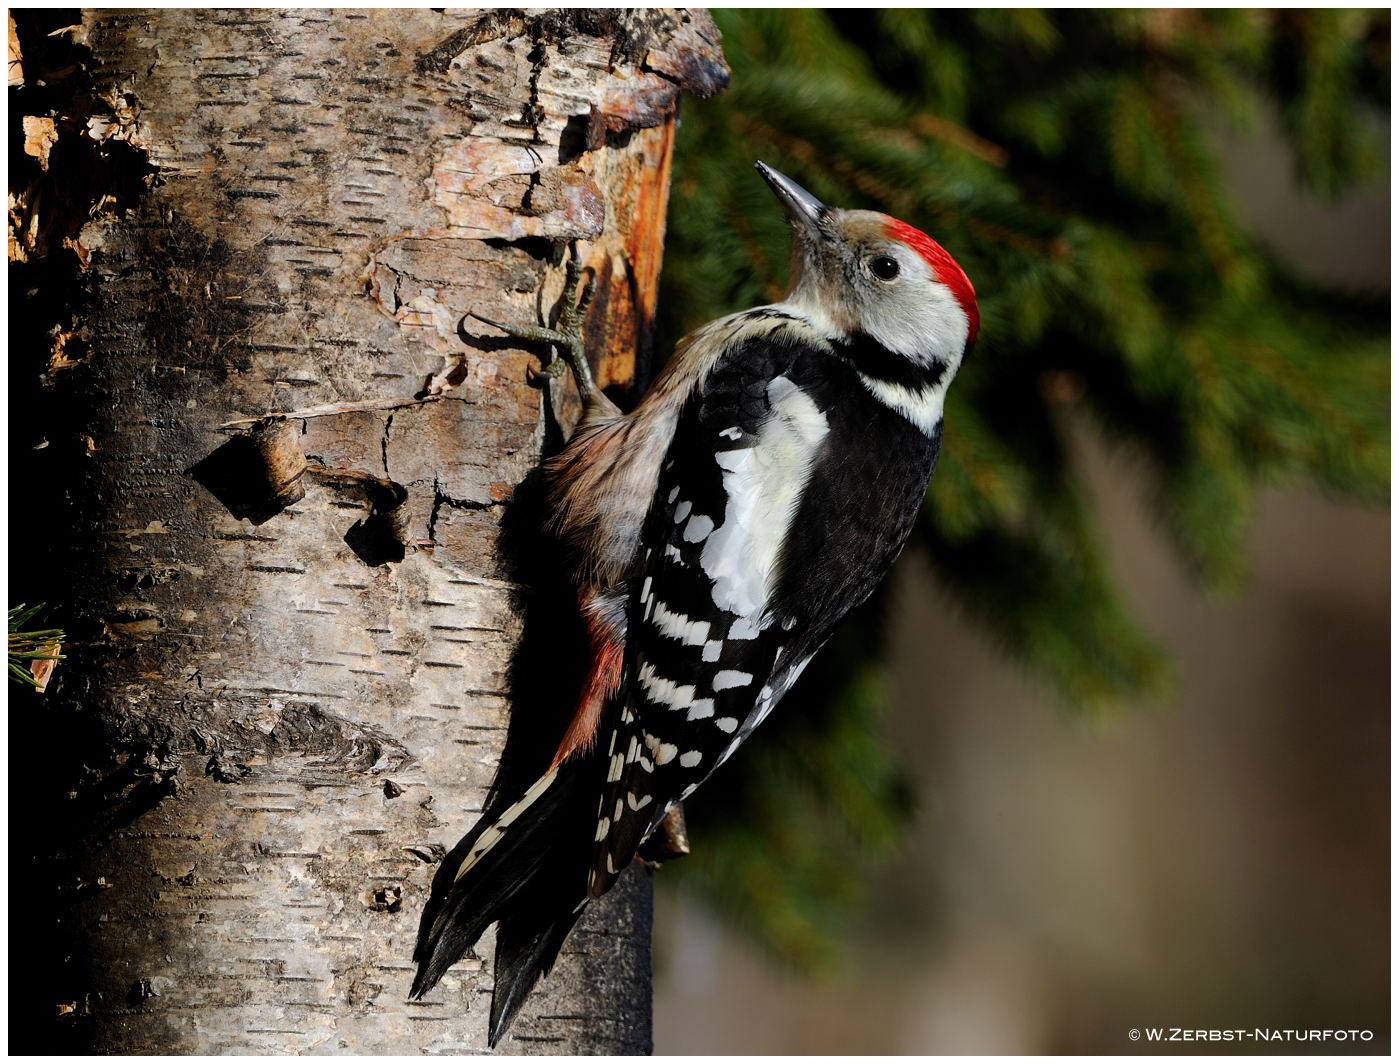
(296, 645)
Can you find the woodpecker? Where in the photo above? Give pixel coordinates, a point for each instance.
(718, 533)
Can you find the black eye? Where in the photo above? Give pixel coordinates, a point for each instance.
(883, 267)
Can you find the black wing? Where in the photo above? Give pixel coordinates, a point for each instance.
(787, 492)
(698, 662)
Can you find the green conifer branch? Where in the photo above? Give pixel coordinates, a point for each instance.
(1067, 160)
(29, 646)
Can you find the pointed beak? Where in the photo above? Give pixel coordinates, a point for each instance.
(803, 208)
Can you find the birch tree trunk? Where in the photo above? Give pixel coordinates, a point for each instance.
(294, 646)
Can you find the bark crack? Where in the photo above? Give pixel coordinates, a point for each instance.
(440, 499)
(533, 112)
(388, 425)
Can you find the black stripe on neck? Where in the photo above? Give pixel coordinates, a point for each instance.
(877, 362)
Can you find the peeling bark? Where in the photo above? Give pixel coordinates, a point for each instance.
(298, 643)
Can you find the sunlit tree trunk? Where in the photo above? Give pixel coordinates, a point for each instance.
(273, 458)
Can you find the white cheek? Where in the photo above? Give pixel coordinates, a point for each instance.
(919, 325)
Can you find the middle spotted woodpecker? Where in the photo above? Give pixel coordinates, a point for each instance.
(720, 531)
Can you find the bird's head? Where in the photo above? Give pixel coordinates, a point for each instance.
(864, 272)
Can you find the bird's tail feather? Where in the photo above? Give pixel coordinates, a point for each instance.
(514, 869)
(524, 953)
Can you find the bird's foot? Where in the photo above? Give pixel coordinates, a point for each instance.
(669, 841)
(567, 334)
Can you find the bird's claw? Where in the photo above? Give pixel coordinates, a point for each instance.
(546, 372)
(572, 315)
(567, 335)
(537, 333)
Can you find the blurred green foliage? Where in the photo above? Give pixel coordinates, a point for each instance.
(1064, 159)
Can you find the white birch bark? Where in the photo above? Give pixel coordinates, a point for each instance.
(269, 732)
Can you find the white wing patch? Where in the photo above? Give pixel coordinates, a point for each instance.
(679, 626)
(664, 752)
(700, 708)
(726, 678)
(763, 485)
(697, 529)
(663, 691)
(744, 628)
